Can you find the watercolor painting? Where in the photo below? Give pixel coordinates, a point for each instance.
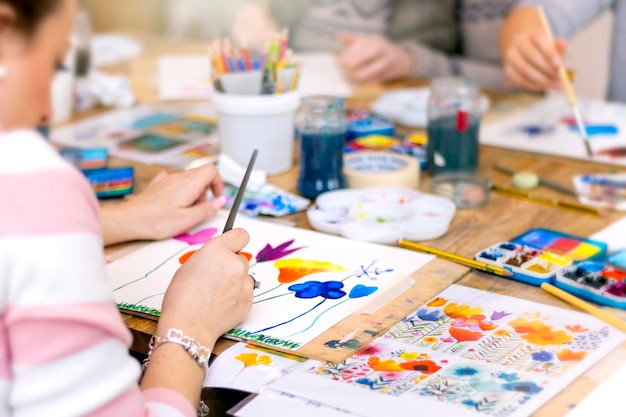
(147, 134)
(466, 352)
(309, 280)
(249, 368)
(549, 127)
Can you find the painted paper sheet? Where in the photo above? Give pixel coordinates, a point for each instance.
(174, 135)
(549, 127)
(466, 352)
(249, 368)
(309, 280)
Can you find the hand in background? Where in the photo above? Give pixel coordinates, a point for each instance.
(374, 58)
(531, 61)
(211, 292)
(170, 205)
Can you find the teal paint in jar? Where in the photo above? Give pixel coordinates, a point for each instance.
(453, 126)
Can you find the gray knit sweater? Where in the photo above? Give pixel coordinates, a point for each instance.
(445, 37)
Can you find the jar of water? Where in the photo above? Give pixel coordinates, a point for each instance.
(454, 113)
(453, 123)
(321, 126)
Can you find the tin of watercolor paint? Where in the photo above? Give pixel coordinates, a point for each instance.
(528, 264)
(600, 282)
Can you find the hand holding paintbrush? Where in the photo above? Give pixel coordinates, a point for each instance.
(567, 85)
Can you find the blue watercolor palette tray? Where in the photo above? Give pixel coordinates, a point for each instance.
(538, 255)
(602, 282)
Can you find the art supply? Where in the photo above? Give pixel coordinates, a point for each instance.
(602, 190)
(453, 120)
(566, 85)
(566, 205)
(466, 190)
(321, 126)
(111, 182)
(546, 183)
(234, 209)
(86, 158)
(539, 254)
(265, 122)
(380, 169)
(363, 123)
(409, 106)
(381, 214)
(600, 282)
(472, 263)
(595, 311)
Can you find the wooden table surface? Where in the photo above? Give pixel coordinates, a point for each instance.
(470, 231)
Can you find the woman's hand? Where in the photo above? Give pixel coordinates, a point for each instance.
(170, 205)
(374, 58)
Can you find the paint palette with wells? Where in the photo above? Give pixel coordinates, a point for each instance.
(539, 254)
(603, 282)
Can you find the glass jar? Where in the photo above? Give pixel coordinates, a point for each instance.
(321, 126)
(453, 122)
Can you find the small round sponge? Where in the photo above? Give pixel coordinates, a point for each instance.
(525, 180)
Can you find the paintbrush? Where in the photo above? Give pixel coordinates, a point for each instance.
(234, 209)
(546, 183)
(567, 85)
(567, 205)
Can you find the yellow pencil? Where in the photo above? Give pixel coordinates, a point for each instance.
(523, 195)
(583, 305)
(567, 86)
(455, 258)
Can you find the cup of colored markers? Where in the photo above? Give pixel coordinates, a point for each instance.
(255, 100)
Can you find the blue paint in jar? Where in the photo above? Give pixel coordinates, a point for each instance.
(321, 164)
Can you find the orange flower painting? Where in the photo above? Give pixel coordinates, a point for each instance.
(293, 269)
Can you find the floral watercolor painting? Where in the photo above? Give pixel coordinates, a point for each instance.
(465, 352)
(309, 280)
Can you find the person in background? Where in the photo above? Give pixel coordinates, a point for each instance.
(531, 61)
(63, 344)
(377, 40)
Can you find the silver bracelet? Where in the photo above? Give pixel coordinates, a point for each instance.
(201, 354)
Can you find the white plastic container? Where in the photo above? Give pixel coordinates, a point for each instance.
(264, 122)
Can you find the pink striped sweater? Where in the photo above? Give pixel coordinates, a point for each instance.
(63, 345)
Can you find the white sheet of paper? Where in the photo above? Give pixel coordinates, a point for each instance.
(248, 368)
(281, 404)
(464, 351)
(302, 294)
(185, 77)
(605, 399)
(322, 74)
(613, 235)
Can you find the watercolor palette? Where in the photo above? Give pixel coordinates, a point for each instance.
(603, 282)
(576, 247)
(539, 254)
(528, 264)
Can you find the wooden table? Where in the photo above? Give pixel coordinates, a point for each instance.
(471, 230)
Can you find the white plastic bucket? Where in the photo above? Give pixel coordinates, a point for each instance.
(264, 122)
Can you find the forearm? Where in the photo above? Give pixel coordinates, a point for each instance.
(118, 224)
(520, 20)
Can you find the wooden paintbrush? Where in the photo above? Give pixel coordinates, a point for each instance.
(567, 85)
